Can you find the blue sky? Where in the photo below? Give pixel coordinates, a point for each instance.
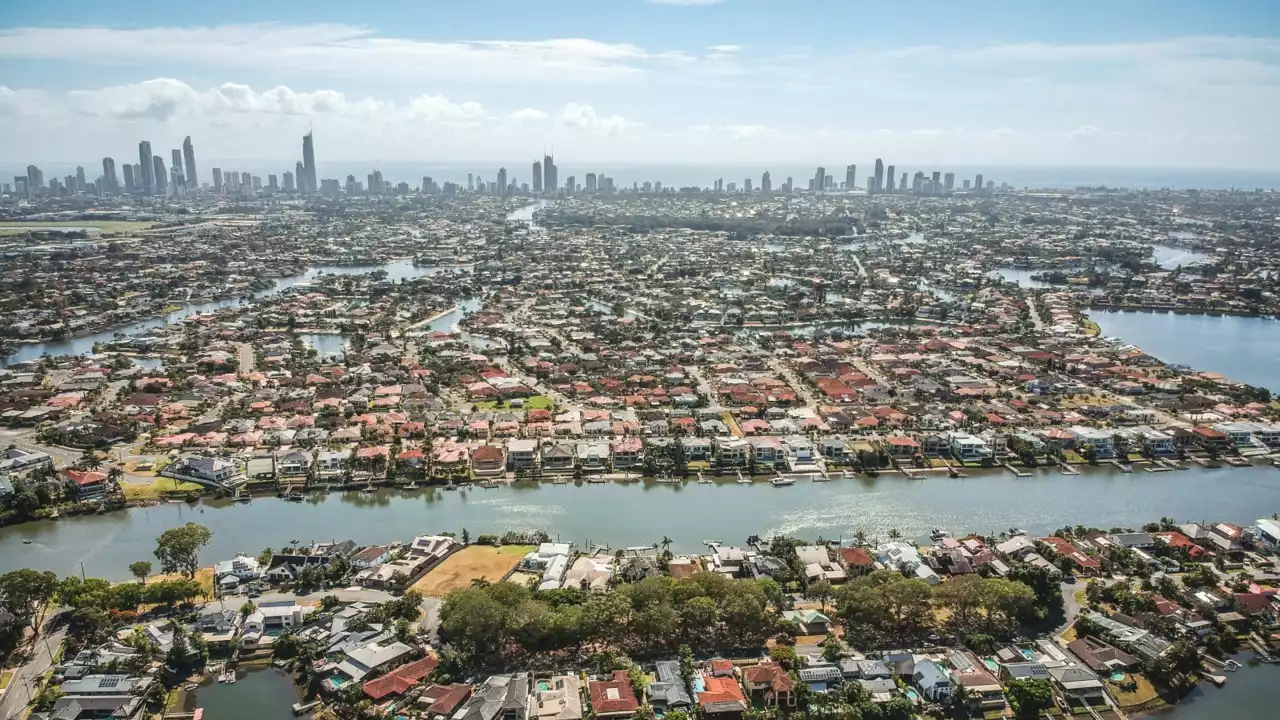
(1171, 83)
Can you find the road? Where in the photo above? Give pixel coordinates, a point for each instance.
(25, 440)
(245, 352)
(802, 388)
(430, 607)
(22, 686)
(1035, 314)
(1071, 606)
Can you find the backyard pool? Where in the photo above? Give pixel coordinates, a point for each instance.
(912, 695)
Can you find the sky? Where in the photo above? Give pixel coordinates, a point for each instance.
(1131, 83)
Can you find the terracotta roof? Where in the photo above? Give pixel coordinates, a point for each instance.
(398, 681)
(615, 696)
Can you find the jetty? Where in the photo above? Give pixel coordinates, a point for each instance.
(1016, 472)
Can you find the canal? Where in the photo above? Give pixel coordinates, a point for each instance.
(396, 270)
(1243, 349)
(1248, 694)
(264, 694)
(642, 513)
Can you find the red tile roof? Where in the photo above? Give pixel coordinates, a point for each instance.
(613, 697)
(398, 681)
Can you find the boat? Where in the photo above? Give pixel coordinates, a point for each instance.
(26, 541)
(488, 484)
(781, 481)
(938, 535)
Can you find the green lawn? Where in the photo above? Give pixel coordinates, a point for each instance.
(156, 489)
(537, 402)
(5, 677)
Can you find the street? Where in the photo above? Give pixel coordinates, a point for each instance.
(21, 686)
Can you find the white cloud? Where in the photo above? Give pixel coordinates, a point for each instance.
(528, 116)
(583, 116)
(335, 49)
(439, 109)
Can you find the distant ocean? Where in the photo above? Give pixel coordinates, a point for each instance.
(1018, 177)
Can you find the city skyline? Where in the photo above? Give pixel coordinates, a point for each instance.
(640, 82)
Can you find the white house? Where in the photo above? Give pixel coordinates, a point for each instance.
(968, 447)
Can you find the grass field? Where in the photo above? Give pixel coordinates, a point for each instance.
(14, 227)
(5, 677)
(471, 563)
(156, 489)
(1145, 692)
(537, 402)
(204, 576)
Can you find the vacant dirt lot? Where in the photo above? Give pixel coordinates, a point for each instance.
(471, 563)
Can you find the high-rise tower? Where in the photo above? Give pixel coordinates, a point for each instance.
(189, 156)
(850, 177)
(308, 164)
(537, 177)
(877, 180)
(146, 163)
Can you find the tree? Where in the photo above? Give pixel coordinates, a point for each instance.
(248, 608)
(784, 655)
(178, 549)
(26, 591)
(819, 590)
(264, 558)
(1029, 698)
(141, 570)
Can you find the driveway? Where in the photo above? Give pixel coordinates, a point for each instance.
(1070, 606)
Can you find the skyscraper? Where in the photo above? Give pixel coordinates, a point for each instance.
(175, 156)
(146, 163)
(189, 155)
(273, 183)
(589, 184)
(537, 176)
(850, 177)
(977, 183)
(128, 177)
(299, 177)
(888, 180)
(877, 180)
(502, 182)
(158, 175)
(308, 164)
(949, 182)
(288, 181)
(549, 174)
(80, 182)
(217, 180)
(110, 184)
(766, 184)
(820, 179)
(35, 180)
(902, 184)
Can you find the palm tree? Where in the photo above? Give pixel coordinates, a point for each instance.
(90, 461)
(665, 543)
(860, 537)
(894, 534)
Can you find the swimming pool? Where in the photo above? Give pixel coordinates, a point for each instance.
(912, 695)
(992, 665)
(543, 685)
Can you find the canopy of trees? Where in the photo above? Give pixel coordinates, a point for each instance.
(502, 621)
(178, 549)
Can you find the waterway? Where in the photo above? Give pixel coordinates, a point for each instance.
(258, 694)
(1248, 694)
(396, 270)
(1241, 348)
(641, 513)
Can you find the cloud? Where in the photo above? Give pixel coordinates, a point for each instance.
(439, 109)
(1086, 134)
(583, 116)
(528, 116)
(334, 49)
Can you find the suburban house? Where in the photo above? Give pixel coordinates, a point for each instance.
(613, 698)
(560, 699)
(770, 683)
(488, 461)
(668, 692)
(933, 680)
(810, 622)
(522, 453)
(499, 697)
(86, 485)
(399, 681)
(209, 471)
(269, 619)
(722, 696)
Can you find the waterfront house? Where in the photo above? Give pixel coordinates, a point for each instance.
(556, 698)
(399, 681)
(364, 660)
(968, 448)
(627, 453)
(593, 456)
(229, 574)
(983, 690)
(522, 453)
(219, 627)
(86, 485)
(1101, 440)
(488, 461)
(1101, 657)
(269, 619)
(218, 473)
(732, 452)
(696, 449)
(558, 457)
(856, 560)
(294, 463)
(613, 698)
(819, 565)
